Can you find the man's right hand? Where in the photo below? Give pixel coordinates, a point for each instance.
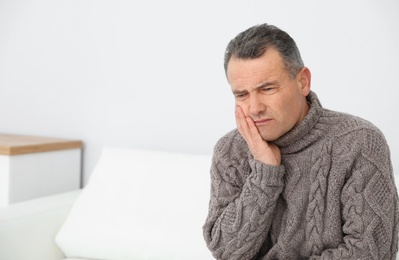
(261, 150)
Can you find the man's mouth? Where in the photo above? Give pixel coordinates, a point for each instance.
(264, 121)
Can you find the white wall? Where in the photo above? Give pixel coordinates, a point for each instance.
(149, 74)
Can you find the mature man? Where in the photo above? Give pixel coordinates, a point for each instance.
(295, 180)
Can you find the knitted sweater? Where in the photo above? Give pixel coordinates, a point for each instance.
(332, 197)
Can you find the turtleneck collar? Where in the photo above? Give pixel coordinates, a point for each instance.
(298, 138)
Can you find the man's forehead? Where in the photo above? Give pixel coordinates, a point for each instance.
(270, 60)
(247, 74)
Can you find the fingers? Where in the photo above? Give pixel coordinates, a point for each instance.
(253, 131)
(260, 149)
(247, 127)
(242, 124)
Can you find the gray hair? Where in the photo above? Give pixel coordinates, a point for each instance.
(253, 43)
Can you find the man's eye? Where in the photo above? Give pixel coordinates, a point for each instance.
(269, 90)
(240, 95)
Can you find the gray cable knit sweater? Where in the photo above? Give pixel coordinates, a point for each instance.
(333, 197)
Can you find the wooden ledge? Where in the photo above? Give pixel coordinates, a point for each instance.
(22, 144)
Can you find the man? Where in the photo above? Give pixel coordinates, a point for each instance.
(295, 180)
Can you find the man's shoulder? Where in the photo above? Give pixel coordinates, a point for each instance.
(231, 145)
(357, 132)
(347, 124)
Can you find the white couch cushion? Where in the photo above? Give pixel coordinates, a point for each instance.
(140, 205)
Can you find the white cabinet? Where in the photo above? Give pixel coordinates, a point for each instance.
(32, 167)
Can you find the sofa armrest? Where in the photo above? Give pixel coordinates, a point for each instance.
(27, 229)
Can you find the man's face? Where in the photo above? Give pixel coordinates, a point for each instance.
(265, 92)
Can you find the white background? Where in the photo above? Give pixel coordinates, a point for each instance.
(149, 74)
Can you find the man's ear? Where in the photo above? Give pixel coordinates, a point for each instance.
(304, 80)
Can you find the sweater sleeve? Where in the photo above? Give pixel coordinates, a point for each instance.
(242, 203)
(369, 204)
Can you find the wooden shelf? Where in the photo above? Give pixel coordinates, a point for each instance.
(22, 144)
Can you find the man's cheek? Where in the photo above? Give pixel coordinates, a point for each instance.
(244, 109)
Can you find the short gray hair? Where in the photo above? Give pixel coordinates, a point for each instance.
(253, 43)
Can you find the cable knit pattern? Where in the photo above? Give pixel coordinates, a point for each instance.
(333, 197)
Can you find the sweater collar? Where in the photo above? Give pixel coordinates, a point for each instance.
(298, 137)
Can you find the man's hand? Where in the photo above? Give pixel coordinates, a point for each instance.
(260, 149)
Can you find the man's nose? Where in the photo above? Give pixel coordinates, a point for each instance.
(256, 105)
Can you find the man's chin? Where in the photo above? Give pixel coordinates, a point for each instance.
(269, 137)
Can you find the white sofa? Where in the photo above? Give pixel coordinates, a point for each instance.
(138, 204)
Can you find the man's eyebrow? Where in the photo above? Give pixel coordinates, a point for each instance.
(262, 85)
(238, 92)
(266, 84)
